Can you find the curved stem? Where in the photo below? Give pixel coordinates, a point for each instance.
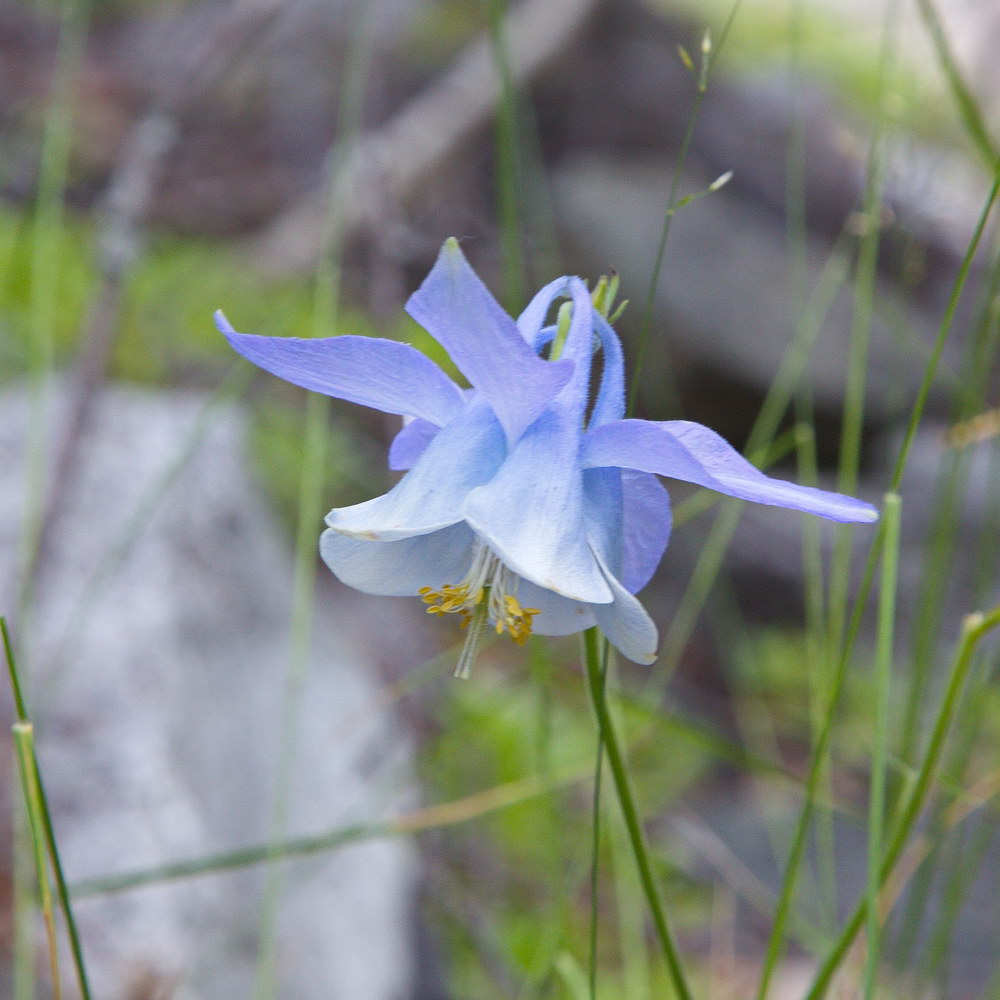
(592, 642)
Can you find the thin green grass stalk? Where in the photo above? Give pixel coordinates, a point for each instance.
(865, 275)
(928, 621)
(813, 574)
(968, 106)
(853, 411)
(706, 571)
(963, 865)
(709, 54)
(24, 744)
(944, 329)
(538, 217)
(310, 509)
(626, 798)
(44, 275)
(927, 628)
(880, 744)
(703, 737)
(464, 810)
(821, 746)
(753, 711)
(992, 991)
(779, 395)
(11, 233)
(310, 513)
(507, 165)
(820, 660)
(572, 976)
(149, 501)
(942, 552)
(699, 736)
(757, 723)
(595, 831)
(632, 943)
(245, 857)
(812, 553)
(795, 165)
(762, 734)
(798, 238)
(553, 936)
(45, 232)
(821, 664)
(969, 398)
(940, 861)
(975, 628)
(814, 779)
(35, 789)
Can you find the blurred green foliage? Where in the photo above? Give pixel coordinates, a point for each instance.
(834, 49)
(514, 722)
(166, 337)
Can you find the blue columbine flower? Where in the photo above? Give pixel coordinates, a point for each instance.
(529, 503)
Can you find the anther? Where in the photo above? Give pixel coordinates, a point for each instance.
(484, 594)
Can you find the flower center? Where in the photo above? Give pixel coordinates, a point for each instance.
(487, 591)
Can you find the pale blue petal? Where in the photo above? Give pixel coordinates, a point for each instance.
(627, 625)
(646, 525)
(684, 450)
(579, 349)
(456, 308)
(400, 568)
(559, 615)
(628, 522)
(382, 374)
(532, 320)
(531, 513)
(610, 402)
(602, 493)
(462, 456)
(410, 443)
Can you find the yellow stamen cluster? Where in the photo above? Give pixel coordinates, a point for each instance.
(488, 591)
(451, 598)
(505, 609)
(516, 620)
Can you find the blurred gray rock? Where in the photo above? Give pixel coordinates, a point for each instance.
(159, 718)
(725, 303)
(767, 546)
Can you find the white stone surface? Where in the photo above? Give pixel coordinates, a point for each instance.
(159, 720)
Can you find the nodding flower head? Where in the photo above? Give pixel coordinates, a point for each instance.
(528, 504)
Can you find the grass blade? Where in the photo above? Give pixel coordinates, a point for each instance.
(41, 815)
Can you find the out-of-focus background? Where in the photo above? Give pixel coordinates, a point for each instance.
(201, 685)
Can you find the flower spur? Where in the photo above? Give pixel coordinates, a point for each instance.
(528, 502)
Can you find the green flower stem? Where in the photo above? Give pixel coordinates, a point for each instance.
(595, 835)
(38, 807)
(626, 797)
(974, 628)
